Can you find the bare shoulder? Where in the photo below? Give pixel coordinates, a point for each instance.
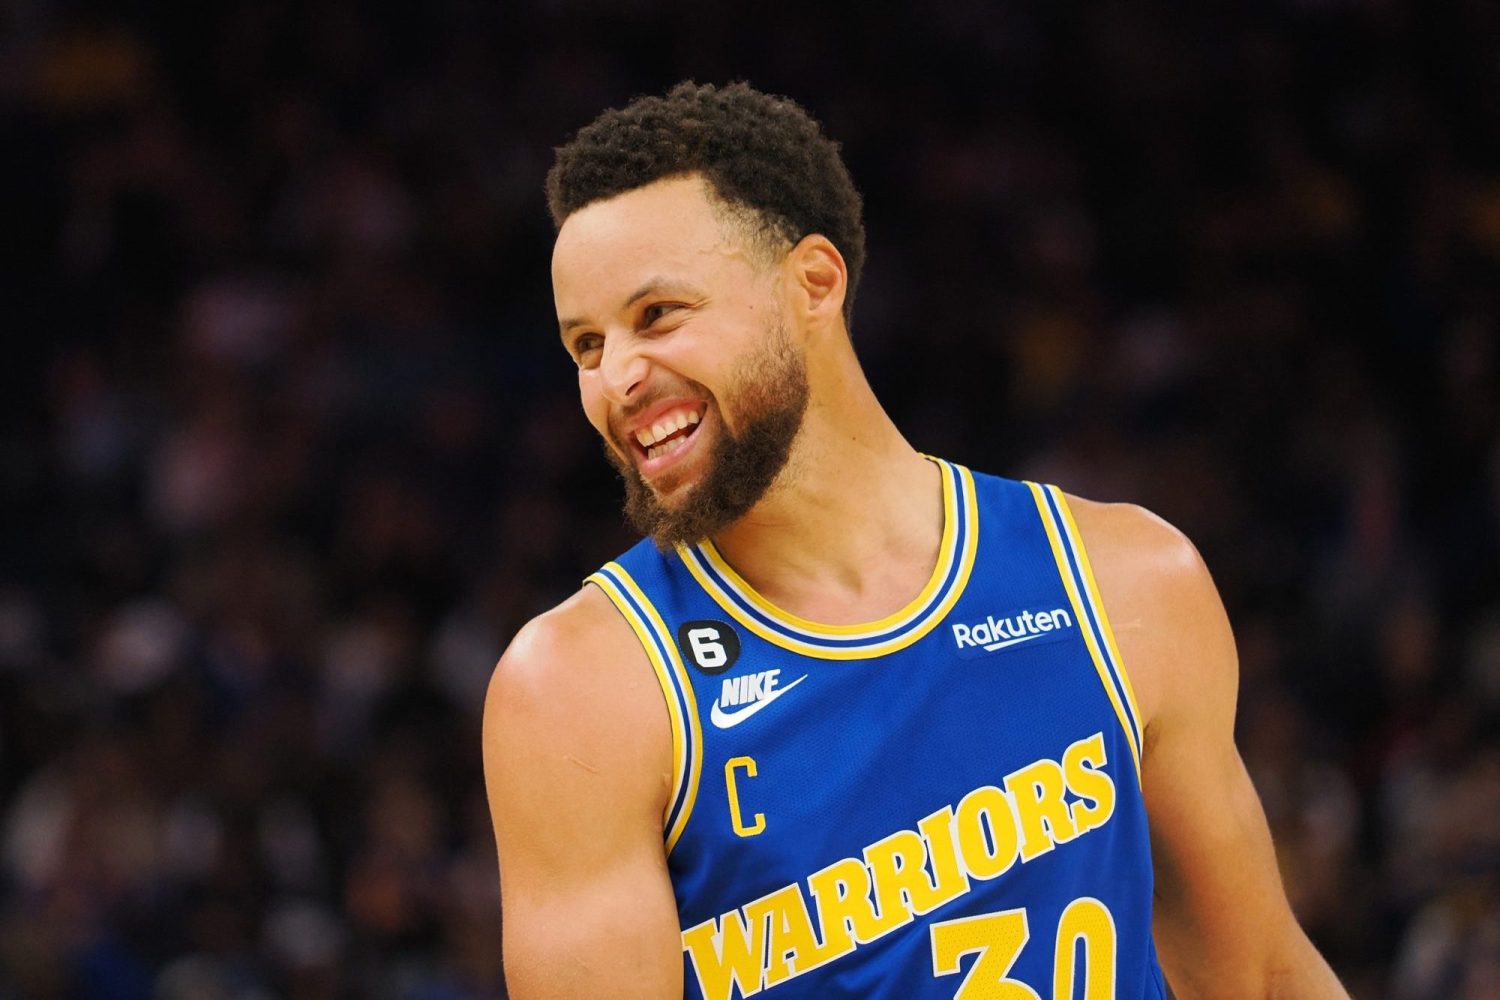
(581, 642)
(1161, 601)
(1126, 536)
(574, 709)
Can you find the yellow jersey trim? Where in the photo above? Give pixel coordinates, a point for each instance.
(874, 649)
(1098, 601)
(1054, 538)
(671, 675)
(947, 552)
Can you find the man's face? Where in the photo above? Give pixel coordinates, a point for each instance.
(685, 365)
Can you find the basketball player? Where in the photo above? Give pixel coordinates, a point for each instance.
(853, 721)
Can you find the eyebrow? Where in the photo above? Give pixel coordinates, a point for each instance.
(654, 286)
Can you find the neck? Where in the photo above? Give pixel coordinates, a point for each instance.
(850, 530)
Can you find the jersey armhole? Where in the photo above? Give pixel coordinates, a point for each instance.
(1078, 581)
(682, 711)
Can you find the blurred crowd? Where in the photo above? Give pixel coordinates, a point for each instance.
(290, 448)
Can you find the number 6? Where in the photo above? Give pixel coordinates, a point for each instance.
(707, 649)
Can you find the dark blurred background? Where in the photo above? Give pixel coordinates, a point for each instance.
(290, 448)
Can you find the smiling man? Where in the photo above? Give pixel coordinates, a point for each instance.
(851, 721)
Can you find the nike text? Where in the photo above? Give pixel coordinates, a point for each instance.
(751, 692)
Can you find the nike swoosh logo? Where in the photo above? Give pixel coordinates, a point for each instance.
(724, 719)
(1011, 642)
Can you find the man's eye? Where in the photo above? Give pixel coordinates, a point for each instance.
(586, 350)
(656, 311)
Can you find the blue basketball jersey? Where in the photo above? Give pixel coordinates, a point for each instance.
(943, 803)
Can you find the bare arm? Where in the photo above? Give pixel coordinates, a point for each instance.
(1223, 926)
(577, 764)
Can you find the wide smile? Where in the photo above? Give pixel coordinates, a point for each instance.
(668, 440)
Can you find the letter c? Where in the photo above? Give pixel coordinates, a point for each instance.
(736, 818)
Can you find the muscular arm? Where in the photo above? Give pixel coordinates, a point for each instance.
(1223, 926)
(577, 765)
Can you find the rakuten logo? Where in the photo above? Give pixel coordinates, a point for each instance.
(994, 634)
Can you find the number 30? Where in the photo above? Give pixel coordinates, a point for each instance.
(999, 937)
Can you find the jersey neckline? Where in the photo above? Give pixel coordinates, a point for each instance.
(869, 639)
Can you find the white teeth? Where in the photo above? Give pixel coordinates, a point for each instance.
(648, 436)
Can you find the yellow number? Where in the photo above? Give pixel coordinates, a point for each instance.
(1087, 920)
(998, 938)
(736, 819)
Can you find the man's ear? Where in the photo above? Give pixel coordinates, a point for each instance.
(820, 279)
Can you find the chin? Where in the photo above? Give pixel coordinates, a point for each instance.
(673, 490)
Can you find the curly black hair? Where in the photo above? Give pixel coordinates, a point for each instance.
(757, 152)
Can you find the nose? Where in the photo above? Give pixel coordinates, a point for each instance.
(622, 369)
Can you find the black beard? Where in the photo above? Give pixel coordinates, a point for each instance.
(770, 396)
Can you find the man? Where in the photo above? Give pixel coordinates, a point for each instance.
(854, 721)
